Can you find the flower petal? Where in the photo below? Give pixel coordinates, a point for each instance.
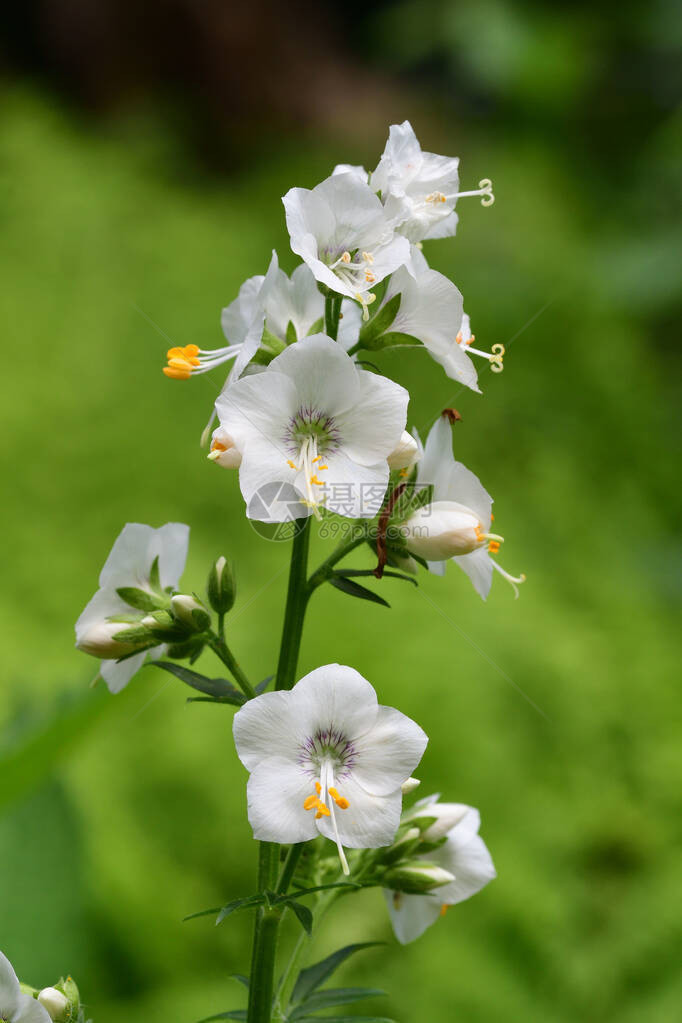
(31, 1011)
(372, 428)
(276, 791)
(471, 864)
(336, 697)
(369, 821)
(325, 377)
(171, 543)
(10, 992)
(479, 567)
(411, 914)
(267, 727)
(354, 490)
(388, 754)
(117, 674)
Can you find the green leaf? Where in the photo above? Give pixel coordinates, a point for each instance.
(315, 975)
(218, 688)
(333, 997)
(300, 892)
(262, 686)
(223, 911)
(241, 979)
(317, 327)
(304, 915)
(346, 1019)
(141, 600)
(395, 339)
(355, 590)
(348, 572)
(380, 322)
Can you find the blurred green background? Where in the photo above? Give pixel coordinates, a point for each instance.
(142, 159)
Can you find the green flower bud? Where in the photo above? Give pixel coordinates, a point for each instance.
(410, 785)
(403, 846)
(190, 612)
(221, 587)
(417, 877)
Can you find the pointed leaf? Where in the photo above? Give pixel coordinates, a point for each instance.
(355, 590)
(346, 1019)
(241, 978)
(314, 975)
(262, 686)
(290, 337)
(380, 322)
(233, 1014)
(300, 892)
(303, 914)
(232, 907)
(354, 572)
(317, 327)
(216, 687)
(334, 996)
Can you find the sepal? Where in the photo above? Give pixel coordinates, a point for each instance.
(221, 586)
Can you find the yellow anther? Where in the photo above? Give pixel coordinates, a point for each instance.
(345, 257)
(494, 546)
(181, 361)
(175, 373)
(340, 801)
(435, 197)
(322, 811)
(316, 481)
(318, 788)
(479, 533)
(316, 459)
(321, 467)
(404, 472)
(291, 464)
(444, 908)
(369, 277)
(310, 802)
(368, 257)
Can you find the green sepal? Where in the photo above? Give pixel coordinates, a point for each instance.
(137, 634)
(317, 327)
(291, 337)
(421, 822)
(218, 688)
(353, 589)
(272, 344)
(394, 339)
(141, 600)
(221, 587)
(190, 648)
(377, 325)
(313, 976)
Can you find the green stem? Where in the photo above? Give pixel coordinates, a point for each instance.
(357, 347)
(289, 868)
(221, 650)
(294, 615)
(267, 920)
(332, 315)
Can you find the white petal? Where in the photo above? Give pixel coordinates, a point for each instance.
(31, 1011)
(471, 864)
(275, 794)
(479, 567)
(351, 168)
(438, 457)
(369, 822)
(10, 993)
(411, 914)
(336, 697)
(389, 753)
(269, 485)
(325, 377)
(104, 604)
(267, 727)
(349, 324)
(129, 561)
(401, 156)
(257, 406)
(445, 228)
(296, 300)
(117, 674)
(372, 428)
(353, 490)
(171, 543)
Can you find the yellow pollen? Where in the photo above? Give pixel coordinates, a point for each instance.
(217, 446)
(368, 257)
(369, 277)
(458, 339)
(479, 533)
(404, 473)
(345, 257)
(175, 373)
(310, 802)
(316, 459)
(321, 467)
(444, 908)
(340, 801)
(292, 464)
(318, 788)
(322, 811)
(316, 481)
(494, 546)
(492, 517)
(181, 361)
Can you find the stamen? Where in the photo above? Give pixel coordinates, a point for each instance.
(292, 464)
(340, 801)
(494, 546)
(444, 908)
(318, 788)
(186, 361)
(310, 802)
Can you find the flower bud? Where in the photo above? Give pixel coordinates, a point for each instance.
(446, 815)
(221, 587)
(406, 453)
(410, 785)
(403, 846)
(224, 450)
(442, 530)
(99, 640)
(190, 612)
(417, 877)
(56, 1003)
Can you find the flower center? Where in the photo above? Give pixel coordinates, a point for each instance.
(310, 436)
(355, 270)
(328, 756)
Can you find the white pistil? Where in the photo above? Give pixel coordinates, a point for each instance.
(310, 466)
(485, 190)
(514, 581)
(495, 357)
(327, 783)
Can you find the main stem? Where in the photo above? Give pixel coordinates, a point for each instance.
(266, 928)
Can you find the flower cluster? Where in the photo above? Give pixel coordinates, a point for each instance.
(315, 431)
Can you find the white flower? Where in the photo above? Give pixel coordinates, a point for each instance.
(457, 523)
(16, 1007)
(317, 424)
(420, 189)
(463, 855)
(342, 231)
(242, 322)
(297, 300)
(224, 452)
(129, 565)
(431, 310)
(326, 757)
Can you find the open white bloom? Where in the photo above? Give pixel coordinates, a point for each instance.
(431, 310)
(420, 189)
(317, 424)
(242, 322)
(15, 1006)
(343, 233)
(464, 856)
(296, 303)
(326, 757)
(456, 525)
(129, 565)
